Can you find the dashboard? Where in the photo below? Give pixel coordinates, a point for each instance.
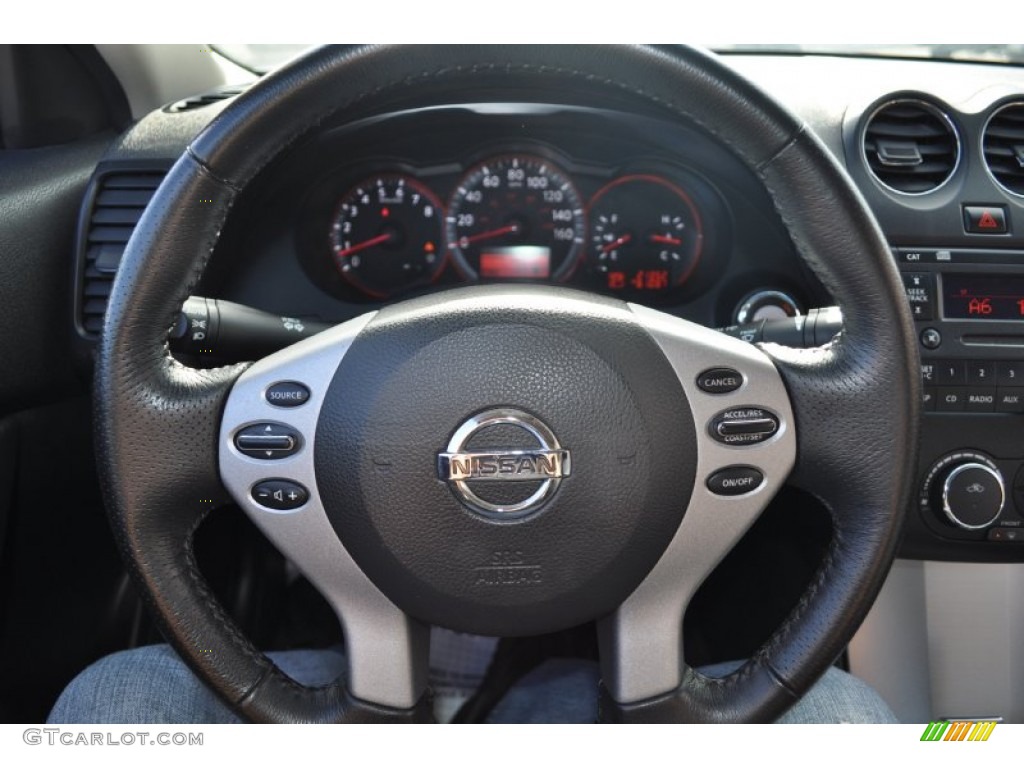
(421, 200)
(618, 199)
(279, 254)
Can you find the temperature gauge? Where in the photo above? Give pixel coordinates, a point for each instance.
(646, 235)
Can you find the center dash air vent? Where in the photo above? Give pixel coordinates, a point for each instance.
(911, 146)
(205, 99)
(1004, 147)
(115, 202)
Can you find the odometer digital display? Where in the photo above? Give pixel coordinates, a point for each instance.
(521, 262)
(983, 297)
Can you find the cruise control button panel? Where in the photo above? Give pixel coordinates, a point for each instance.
(283, 495)
(744, 426)
(267, 441)
(735, 481)
(720, 381)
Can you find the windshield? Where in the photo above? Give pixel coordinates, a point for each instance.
(262, 58)
(984, 52)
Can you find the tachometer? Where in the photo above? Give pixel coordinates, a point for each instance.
(516, 217)
(386, 235)
(646, 235)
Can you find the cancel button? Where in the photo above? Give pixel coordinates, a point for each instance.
(733, 481)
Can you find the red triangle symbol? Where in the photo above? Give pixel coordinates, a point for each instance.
(987, 221)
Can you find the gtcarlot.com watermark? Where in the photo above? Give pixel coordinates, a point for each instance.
(74, 738)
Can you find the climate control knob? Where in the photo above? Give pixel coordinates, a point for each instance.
(967, 490)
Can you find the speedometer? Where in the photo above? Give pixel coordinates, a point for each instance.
(516, 217)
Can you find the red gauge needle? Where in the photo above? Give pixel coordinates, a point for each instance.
(511, 229)
(616, 243)
(364, 245)
(666, 239)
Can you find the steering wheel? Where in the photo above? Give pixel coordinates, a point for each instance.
(508, 460)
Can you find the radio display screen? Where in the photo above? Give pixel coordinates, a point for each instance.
(983, 297)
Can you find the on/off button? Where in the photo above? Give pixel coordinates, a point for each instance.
(735, 481)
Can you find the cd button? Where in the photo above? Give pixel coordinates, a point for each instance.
(949, 399)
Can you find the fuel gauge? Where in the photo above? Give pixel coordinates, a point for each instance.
(646, 235)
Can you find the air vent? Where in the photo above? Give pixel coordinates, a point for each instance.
(205, 99)
(911, 146)
(116, 201)
(1004, 147)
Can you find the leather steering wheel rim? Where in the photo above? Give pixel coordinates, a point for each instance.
(856, 401)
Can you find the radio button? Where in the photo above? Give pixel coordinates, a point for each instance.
(981, 373)
(950, 399)
(950, 372)
(920, 289)
(1010, 374)
(980, 399)
(1010, 399)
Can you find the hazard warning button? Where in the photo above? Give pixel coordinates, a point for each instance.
(985, 219)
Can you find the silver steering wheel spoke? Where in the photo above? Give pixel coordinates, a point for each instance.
(641, 643)
(270, 474)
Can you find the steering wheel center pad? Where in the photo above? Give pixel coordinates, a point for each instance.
(583, 367)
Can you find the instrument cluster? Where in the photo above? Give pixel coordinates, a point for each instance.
(642, 231)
